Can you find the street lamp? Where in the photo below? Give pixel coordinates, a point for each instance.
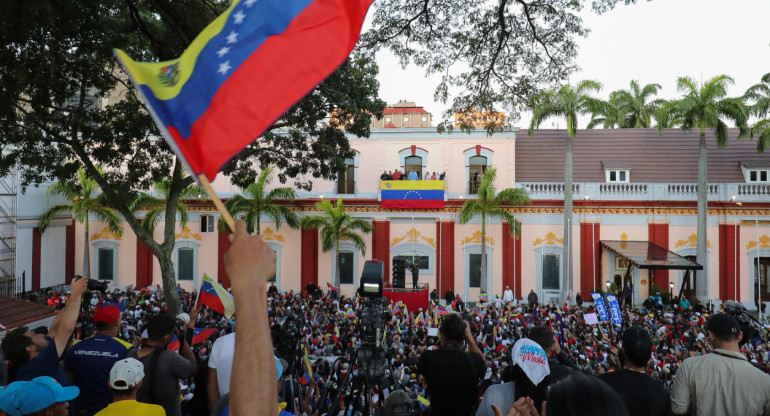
(671, 288)
(607, 283)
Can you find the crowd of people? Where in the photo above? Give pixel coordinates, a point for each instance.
(119, 349)
(413, 175)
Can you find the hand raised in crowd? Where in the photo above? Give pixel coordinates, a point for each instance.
(78, 287)
(249, 262)
(522, 407)
(193, 318)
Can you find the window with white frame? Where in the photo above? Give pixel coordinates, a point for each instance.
(277, 276)
(423, 255)
(105, 260)
(473, 266)
(477, 160)
(617, 175)
(186, 260)
(758, 175)
(207, 223)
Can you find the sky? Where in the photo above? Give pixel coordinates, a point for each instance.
(653, 42)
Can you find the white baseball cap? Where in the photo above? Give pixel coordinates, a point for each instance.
(126, 374)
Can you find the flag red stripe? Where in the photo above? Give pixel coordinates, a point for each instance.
(279, 73)
(412, 203)
(212, 301)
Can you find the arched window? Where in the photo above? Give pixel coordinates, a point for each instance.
(413, 163)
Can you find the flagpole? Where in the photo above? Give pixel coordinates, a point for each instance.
(217, 202)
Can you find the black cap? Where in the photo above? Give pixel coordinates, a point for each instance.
(637, 345)
(724, 326)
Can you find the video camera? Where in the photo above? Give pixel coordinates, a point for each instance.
(94, 284)
(749, 325)
(286, 333)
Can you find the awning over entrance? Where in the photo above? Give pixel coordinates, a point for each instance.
(646, 255)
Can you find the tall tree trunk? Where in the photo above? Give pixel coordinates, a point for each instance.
(566, 285)
(168, 276)
(87, 250)
(337, 269)
(483, 266)
(702, 249)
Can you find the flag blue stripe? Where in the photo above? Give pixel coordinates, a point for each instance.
(413, 194)
(263, 19)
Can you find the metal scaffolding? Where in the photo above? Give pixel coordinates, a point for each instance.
(8, 195)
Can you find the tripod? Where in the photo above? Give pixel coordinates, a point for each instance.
(372, 362)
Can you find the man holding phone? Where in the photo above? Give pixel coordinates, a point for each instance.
(34, 354)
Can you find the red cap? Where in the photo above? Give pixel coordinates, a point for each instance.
(107, 314)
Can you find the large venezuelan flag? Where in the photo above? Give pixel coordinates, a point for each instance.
(242, 72)
(412, 194)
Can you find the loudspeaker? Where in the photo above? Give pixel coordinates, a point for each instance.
(399, 279)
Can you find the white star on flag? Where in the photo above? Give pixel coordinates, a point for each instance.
(232, 37)
(222, 52)
(224, 67)
(250, 2)
(238, 17)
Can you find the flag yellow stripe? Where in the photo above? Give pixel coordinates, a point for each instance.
(147, 72)
(407, 185)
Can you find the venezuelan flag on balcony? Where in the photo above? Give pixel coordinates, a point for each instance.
(412, 194)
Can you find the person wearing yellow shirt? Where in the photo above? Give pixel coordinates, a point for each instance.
(125, 380)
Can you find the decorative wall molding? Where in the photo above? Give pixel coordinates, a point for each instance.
(270, 235)
(691, 241)
(549, 240)
(764, 242)
(105, 234)
(412, 235)
(476, 239)
(186, 234)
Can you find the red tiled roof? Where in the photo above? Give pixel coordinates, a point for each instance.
(15, 312)
(670, 157)
(403, 110)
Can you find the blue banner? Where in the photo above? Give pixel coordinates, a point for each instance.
(614, 309)
(601, 308)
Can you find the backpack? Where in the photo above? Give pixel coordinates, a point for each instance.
(144, 395)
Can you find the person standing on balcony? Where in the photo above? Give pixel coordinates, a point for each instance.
(442, 176)
(384, 176)
(434, 177)
(427, 176)
(396, 175)
(413, 175)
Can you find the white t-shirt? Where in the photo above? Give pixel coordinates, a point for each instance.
(222, 360)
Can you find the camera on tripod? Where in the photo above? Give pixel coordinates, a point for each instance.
(374, 313)
(749, 325)
(286, 334)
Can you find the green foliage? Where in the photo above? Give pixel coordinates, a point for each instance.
(707, 106)
(628, 108)
(567, 102)
(335, 224)
(758, 99)
(155, 207)
(256, 201)
(488, 54)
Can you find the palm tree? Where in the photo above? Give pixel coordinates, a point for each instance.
(488, 203)
(567, 102)
(760, 95)
(704, 107)
(609, 115)
(335, 225)
(636, 109)
(85, 202)
(157, 206)
(257, 201)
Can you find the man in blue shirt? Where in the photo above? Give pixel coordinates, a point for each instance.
(35, 355)
(90, 360)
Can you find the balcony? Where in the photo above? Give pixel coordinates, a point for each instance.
(636, 191)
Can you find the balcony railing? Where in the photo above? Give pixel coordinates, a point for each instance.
(649, 191)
